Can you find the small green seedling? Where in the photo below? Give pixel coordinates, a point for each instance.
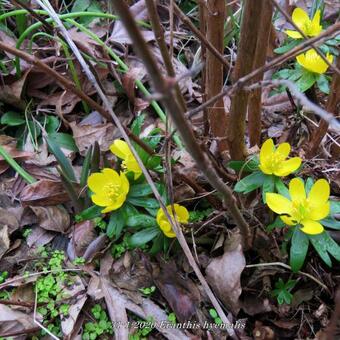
(282, 291)
(215, 316)
(102, 325)
(147, 290)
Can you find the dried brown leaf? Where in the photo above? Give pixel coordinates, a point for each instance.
(53, 218)
(224, 273)
(44, 193)
(39, 237)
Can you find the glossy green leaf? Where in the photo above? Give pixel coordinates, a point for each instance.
(141, 220)
(298, 249)
(12, 118)
(89, 213)
(281, 188)
(320, 244)
(116, 223)
(268, 186)
(64, 162)
(144, 236)
(246, 166)
(144, 202)
(140, 190)
(306, 81)
(64, 140)
(250, 183)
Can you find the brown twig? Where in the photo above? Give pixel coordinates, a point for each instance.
(255, 100)
(186, 21)
(217, 116)
(250, 26)
(159, 34)
(315, 47)
(332, 103)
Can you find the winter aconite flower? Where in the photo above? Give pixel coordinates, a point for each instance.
(122, 151)
(302, 209)
(273, 161)
(182, 216)
(310, 27)
(109, 188)
(312, 61)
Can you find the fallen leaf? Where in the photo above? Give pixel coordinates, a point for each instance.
(53, 218)
(19, 320)
(44, 193)
(224, 273)
(83, 234)
(119, 34)
(68, 322)
(4, 240)
(86, 135)
(39, 237)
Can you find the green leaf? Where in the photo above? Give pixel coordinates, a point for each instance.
(12, 118)
(116, 223)
(323, 83)
(331, 222)
(144, 202)
(141, 220)
(157, 244)
(306, 81)
(298, 249)
(319, 243)
(52, 124)
(153, 162)
(335, 207)
(246, 166)
(268, 186)
(86, 167)
(80, 5)
(64, 162)
(89, 213)
(285, 48)
(332, 247)
(281, 188)
(136, 126)
(64, 140)
(250, 183)
(144, 236)
(140, 190)
(154, 138)
(309, 184)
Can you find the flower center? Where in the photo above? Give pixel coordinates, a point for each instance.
(301, 210)
(274, 162)
(112, 190)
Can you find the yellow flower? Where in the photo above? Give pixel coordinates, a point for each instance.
(273, 161)
(182, 216)
(302, 209)
(109, 188)
(122, 151)
(310, 28)
(312, 61)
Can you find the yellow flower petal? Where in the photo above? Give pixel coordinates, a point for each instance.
(319, 193)
(283, 151)
(301, 19)
(170, 234)
(287, 220)
(182, 213)
(315, 27)
(294, 34)
(312, 61)
(279, 204)
(96, 182)
(267, 149)
(100, 200)
(312, 227)
(125, 185)
(319, 212)
(287, 167)
(110, 176)
(120, 149)
(297, 190)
